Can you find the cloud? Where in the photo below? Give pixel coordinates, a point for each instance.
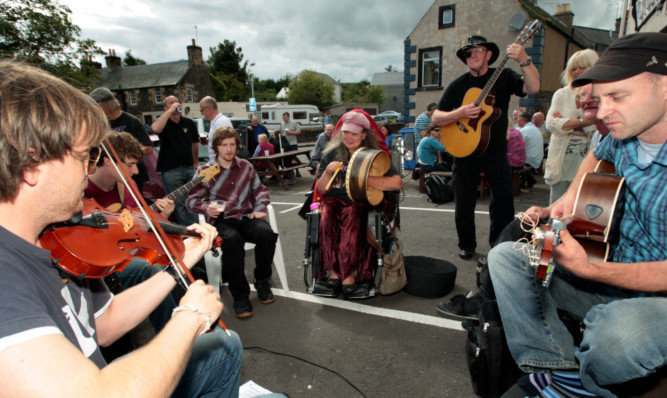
(347, 39)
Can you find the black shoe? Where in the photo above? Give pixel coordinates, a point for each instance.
(357, 291)
(243, 308)
(466, 254)
(264, 291)
(327, 288)
(461, 307)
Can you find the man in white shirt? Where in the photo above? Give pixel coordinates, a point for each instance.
(534, 145)
(209, 109)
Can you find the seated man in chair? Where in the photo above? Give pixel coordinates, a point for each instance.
(243, 220)
(622, 300)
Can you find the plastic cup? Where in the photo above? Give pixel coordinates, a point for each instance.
(218, 205)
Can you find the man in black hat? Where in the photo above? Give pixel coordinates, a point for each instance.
(478, 54)
(622, 301)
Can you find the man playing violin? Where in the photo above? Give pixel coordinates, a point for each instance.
(621, 301)
(52, 323)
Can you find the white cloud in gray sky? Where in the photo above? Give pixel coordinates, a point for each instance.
(347, 39)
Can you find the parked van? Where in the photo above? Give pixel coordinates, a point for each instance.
(272, 115)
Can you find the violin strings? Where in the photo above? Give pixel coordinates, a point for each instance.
(148, 220)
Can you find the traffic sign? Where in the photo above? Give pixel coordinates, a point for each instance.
(253, 105)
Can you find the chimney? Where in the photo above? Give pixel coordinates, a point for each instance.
(113, 62)
(195, 56)
(564, 14)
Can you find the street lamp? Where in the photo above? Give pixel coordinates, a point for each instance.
(252, 82)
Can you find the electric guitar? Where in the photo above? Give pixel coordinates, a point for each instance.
(592, 223)
(466, 137)
(204, 176)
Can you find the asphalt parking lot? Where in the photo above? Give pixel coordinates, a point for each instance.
(387, 346)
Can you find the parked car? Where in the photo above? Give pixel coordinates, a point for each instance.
(392, 115)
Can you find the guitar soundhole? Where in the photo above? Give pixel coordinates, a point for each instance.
(593, 211)
(462, 127)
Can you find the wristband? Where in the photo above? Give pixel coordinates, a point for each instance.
(171, 271)
(190, 307)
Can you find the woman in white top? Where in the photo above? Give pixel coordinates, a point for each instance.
(570, 131)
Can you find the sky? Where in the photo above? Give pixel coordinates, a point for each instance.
(349, 40)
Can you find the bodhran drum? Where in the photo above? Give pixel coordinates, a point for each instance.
(364, 163)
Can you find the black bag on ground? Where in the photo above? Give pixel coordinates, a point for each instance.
(437, 189)
(492, 368)
(429, 277)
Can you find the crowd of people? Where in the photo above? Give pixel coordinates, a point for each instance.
(611, 108)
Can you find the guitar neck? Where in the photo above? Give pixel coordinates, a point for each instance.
(181, 191)
(492, 81)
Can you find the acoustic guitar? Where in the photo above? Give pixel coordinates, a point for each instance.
(593, 222)
(470, 137)
(204, 176)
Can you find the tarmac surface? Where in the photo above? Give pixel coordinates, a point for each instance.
(387, 346)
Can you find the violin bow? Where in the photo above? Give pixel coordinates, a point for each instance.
(167, 246)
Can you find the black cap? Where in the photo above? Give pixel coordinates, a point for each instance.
(629, 56)
(474, 41)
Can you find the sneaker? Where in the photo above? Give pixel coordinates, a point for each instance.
(243, 308)
(264, 291)
(461, 307)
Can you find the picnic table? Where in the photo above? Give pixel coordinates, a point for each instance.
(275, 161)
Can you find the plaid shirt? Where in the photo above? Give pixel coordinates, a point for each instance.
(238, 185)
(643, 226)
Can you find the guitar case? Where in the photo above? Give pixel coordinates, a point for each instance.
(429, 277)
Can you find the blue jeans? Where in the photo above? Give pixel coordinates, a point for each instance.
(171, 181)
(214, 368)
(624, 339)
(138, 271)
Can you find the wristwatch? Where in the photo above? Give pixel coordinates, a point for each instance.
(528, 62)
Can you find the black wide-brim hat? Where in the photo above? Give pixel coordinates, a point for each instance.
(474, 41)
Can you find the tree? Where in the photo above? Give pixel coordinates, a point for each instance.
(309, 88)
(40, 32)
(390, 68)
(226, 63)
(131, 60)
(363, 93)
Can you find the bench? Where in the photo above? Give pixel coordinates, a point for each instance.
(517, 176)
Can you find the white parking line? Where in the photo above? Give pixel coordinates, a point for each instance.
(366, 309)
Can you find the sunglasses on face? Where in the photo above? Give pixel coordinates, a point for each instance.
(93, 157)
(469, 53)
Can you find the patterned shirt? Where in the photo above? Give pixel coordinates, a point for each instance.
(422, 123)
(238, 185)
(516, 148)
(643, 226)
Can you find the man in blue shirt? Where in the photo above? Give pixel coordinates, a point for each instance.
(621, 301)
(534, 145)
(428, 149)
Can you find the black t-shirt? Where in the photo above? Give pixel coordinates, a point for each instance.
(130, 124)
(509, 82)
(35, 302)
(176, 144)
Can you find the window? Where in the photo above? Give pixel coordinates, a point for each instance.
(300, 115)
(429, 67)
(447, 16)
(190, 94)
(158, 96)
(133, 98)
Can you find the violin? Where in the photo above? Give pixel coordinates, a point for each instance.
(97, 242)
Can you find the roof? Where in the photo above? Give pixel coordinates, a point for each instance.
(601, 38)
(142, 76)
(387, 79)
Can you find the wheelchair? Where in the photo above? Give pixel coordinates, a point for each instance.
(379, 228)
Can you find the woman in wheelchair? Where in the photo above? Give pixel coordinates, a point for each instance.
(347, 260)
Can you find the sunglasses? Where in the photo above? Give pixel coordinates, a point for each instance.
(469, 53)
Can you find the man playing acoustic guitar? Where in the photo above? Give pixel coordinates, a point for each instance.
(621, 301)
(478, 54)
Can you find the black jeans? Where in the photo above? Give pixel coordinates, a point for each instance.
(235, 233)
(466, 173)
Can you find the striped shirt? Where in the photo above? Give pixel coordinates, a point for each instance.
(643, 226)
(238, 185)
(421, 124)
